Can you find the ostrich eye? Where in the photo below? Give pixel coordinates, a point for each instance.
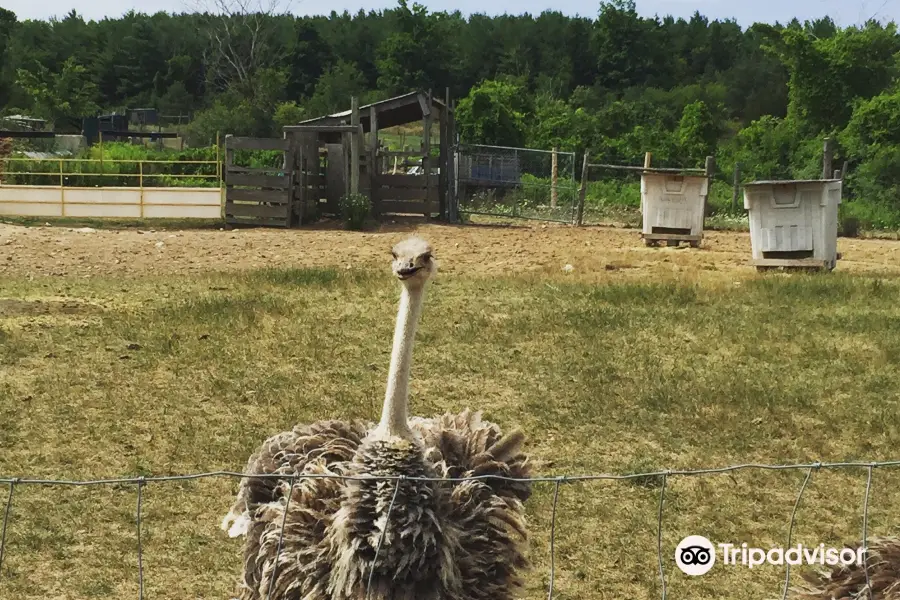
(426, 257)
(394, 254)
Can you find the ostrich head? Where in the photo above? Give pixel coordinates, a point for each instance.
(413, 263)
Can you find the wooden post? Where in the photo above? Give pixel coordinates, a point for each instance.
(452, 178)
(736, 187)
(709, 169)
(229, 161)
(426, 153)
(345, 154)
(554, 178)
(648, 156)
(374, 161)
(354, 146)
(284, 156)
(218, 161)
(844, 170)
(442, 163)
(582, 191)
(827, 158)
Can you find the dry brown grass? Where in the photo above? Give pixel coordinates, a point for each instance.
(616, 375)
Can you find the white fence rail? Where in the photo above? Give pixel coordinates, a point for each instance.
(114, 202)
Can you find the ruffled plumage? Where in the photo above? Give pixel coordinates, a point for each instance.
(848, 582)
(445, 539)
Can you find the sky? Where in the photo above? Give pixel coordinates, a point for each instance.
(745, 13)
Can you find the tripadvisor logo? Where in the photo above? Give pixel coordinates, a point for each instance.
(696, 555)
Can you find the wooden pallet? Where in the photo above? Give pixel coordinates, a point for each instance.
(671, 239)
(791, 264)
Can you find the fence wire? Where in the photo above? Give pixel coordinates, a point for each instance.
(559, 480)
(503, 181)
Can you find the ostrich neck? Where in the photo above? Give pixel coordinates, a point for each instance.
(394, 415)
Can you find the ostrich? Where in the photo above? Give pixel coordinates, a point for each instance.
(848, 582)
(347, 536)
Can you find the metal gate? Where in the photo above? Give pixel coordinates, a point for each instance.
(521, 183)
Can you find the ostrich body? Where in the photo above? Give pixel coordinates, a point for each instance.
(848, 582)
(434, 539)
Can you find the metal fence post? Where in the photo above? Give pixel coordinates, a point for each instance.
(62, 190)
(141, 184)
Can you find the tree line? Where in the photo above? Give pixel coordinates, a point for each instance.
(618, 84)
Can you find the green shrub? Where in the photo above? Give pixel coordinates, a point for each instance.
(848, 225)
(355, 210)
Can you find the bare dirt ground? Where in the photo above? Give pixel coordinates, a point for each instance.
(594, 253)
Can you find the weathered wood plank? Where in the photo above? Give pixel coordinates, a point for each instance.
(424, 106)
(426, 145)
(321, 128)
(401, 194)
(354, 146)
(271, 196)
(789, 262)
(254, 171)
(257, 210)
(251, 143)
(406, 195)
(416, 208)
(680, 237)
(401, 153)
(315, 180)
(405, 181)
(253, 180)
(256, 221)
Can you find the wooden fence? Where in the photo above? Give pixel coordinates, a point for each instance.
(258, 195)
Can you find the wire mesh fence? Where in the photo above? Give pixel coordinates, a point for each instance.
(612, 194)
(522, 183)
(662, 476)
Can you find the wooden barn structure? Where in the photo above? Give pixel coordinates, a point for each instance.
(430, 190)
(326, 157)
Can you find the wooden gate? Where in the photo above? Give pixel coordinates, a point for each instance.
(258, 196)
(321, 168)
(410, 194)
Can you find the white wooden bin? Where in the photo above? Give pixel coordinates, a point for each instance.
(673, 207)
(793, 223)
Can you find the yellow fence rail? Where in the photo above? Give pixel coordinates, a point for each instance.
(91, 187)
(144, 169)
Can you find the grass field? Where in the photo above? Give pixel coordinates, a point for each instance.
(111, 372)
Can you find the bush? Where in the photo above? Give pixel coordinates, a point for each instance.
(355, 210)
(120, 168)
(848, 225)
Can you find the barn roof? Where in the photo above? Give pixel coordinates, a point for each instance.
(400, 110)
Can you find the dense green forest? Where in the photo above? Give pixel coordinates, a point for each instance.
(618, 84)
